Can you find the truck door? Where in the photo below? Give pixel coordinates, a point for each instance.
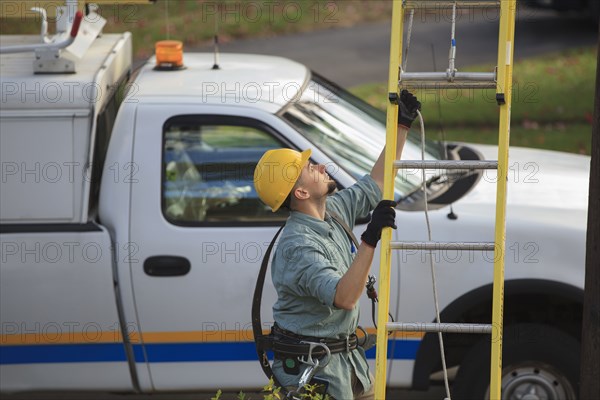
(60, 326)
(199, 232)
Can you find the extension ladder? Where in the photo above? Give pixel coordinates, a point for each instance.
(501, 80)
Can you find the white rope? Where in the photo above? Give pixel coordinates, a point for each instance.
(435, 293)
(453, 21)
(408, 36)
(452, 54)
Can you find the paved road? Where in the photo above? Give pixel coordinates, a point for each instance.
(357, 55)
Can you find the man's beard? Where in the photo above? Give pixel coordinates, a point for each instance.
(331, 187)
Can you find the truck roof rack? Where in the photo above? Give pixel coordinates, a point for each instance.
(48, 57)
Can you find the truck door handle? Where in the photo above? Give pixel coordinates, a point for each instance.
(166, 266)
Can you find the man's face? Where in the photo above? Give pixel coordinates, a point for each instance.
(316, 180)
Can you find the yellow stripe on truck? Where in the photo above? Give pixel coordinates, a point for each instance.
(207, 336)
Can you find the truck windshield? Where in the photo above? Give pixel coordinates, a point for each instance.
(352, 132)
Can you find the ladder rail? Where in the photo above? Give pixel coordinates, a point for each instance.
(388, 193)
(504, 95)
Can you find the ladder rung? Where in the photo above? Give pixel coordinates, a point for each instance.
(420, 85)
(445, 164)
(448, 3)
(443, 327)
(443, 76)
(474, 246)
(442, 80)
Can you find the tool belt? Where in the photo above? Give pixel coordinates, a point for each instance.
(293, 349)
(287, 344)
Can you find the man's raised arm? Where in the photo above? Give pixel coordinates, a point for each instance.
(407, 113)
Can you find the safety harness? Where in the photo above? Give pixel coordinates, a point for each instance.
(293, 349)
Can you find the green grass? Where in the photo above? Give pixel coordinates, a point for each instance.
(552, 106)
(573, 138)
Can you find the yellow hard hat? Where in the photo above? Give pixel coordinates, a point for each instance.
(276, 173)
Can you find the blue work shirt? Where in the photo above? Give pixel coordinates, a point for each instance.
(311, 257)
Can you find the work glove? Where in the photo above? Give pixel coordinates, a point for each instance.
(407, 108)
(384, 216)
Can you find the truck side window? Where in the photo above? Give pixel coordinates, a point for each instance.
(208, 173)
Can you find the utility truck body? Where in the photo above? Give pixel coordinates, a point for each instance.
(132, 234)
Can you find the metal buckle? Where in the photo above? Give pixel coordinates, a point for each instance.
(310, 360)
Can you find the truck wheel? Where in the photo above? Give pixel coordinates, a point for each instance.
(539, 362)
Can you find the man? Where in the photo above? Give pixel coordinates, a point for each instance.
(318, 273)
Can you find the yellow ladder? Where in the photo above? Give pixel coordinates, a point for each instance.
(501, 79)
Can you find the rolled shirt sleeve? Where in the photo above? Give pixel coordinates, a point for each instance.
(311, 272)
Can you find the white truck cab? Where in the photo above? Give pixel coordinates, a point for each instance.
(131, 232)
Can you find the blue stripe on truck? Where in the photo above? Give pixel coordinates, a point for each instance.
(161, 352)
(62, 353)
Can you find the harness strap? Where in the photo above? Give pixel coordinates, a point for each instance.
(262, 342)
(346, 228)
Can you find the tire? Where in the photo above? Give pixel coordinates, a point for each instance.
(539, 362)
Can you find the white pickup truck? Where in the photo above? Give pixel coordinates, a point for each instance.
(131, 232)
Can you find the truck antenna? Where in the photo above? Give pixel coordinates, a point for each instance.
(216, 43)
(167, 27)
